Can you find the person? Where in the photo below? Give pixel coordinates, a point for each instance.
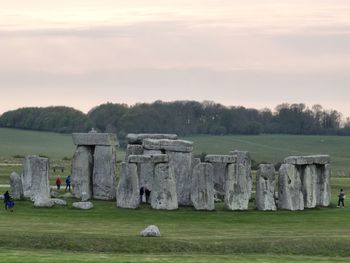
(9, 204)
(148, 194)
(341, 198)
(58, 183)
(142, 191)
(67, 183)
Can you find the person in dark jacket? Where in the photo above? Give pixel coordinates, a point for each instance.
(148, 194)
(68, 181)
(9, 204)
(341, 198)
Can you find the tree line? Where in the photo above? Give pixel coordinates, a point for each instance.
(181, 117)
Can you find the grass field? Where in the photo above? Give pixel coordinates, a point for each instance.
(109, 234)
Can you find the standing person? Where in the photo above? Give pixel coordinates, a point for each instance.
(58, 183)
(148, 194)
(9, 204)
(67, 183)
(341, 197)
(142, 191)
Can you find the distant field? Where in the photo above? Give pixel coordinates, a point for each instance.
(263, 148)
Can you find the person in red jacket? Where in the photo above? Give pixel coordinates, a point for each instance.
(58, 183)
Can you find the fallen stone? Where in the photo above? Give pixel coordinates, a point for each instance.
(59, 202)
(54, 194)
(83, 205)
(82, 167)
(305, 160)
(67, 195)
(163, 195)
(92, 139)
(265, 188)
(151, 231)
(168, 145)
(138, 138)
(290, 195)
(104, 180)
(16, 186)
(202, 191)
(128, 190)
(44, 203)
(215, 158)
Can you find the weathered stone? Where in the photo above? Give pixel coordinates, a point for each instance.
(220, 174)
(128, 190)
(290, 195)
(28, 164)
(237, 188)
(133, 150)
(304, 160)
(163, 195)
(309, 185)
(83, 205)
(216, 158)
(265, 188)
(168, 145)
(82, 167)
(324, 185)
(16, 186)
(59, 202)
(85, 197)
(181, 164)
(195, 161)
(67, 195)
(40, 187)
(44, 203)
(104, 180)
(243, 162)
(92, 139)
(54, 194)
(138, 138)
(155, 158)
(151, 231)
(202, 192)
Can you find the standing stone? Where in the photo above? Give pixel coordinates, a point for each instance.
(202, 192)
(182, 167)
(237, 188)
(128, 190)
(27, 175)
(324, 185)
(163, 195)
(290, 196)
(104, 180)
(243, 162)
(16, 186)
(40, 187)
(265, 188)
(146, 170)
(309, 185)
(82, 172)
(133, 149)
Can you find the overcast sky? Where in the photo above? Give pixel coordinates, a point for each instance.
(254, 53)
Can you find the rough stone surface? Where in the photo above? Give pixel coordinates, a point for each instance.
(181, 164)
(40, 187)
(85, 197)
(265, 188)
(128, 190)
(154, 158)
(54, 194)
(151, 231)
(83, 205)
(290, 195)
(304, 160)
(215, 158)
(92, 139)
(324, 185)
(163, 195)
(59, 202)
(67, 195)
(138, 138)
(28, 164)
(220, 174)
(104, 180)
(168, 145)
(195, 161)
(44, 203)
(243, 162)
(16, 186)
(82, 167)
(202, 192)
(309, 185)
(237, 188)
(133, 150)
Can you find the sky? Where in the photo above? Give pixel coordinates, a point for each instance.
(252, 53)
